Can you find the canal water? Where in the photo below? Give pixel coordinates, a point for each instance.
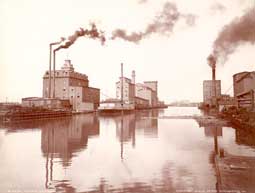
(139, 152)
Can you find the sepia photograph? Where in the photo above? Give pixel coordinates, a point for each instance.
(127, 96)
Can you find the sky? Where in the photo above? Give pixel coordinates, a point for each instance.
(174, 55)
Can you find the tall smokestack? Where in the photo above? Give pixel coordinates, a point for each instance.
(121, 79)
(133, 77)
(212, 62)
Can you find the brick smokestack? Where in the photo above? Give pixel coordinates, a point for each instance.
(212, 62)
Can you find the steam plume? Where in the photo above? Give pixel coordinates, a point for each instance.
(91, 33)
(163, 24)
(239, 31)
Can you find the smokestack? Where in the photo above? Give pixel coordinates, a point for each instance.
(66, 43)
(121, 79)
(212, 62)
(52, 44)
(133, 77)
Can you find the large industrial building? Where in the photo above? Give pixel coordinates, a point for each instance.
(208, 92)
(143, 95)
(72, 86)
(128, 90)
(244, 89)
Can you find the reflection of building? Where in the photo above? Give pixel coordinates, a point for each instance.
(125, 127)
(61, 139)
(64, 137)
(244, 87)
(73, 86)
(211, 131)
(143, 120)
(208, 90)
(148, 122)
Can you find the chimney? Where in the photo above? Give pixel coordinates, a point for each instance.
(133, 77)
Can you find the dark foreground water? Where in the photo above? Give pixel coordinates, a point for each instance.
(139, 152)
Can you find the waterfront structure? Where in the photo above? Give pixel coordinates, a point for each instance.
(208, 91)
(50, 103)
(74, 87)
(225, 101)
(128, 90)
(244, 87)
(141, 103)
(146, 92)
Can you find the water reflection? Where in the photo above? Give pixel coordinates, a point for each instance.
(136, 152)
(63, 138)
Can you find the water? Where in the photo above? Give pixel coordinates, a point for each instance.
(136, 153)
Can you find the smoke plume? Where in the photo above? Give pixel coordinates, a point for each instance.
(163, 24)
(239, 31)
(91, 33)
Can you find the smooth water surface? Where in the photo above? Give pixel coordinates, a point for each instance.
(138, 152)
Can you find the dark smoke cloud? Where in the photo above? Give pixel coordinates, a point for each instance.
(163, 24)
(239, 31)
(90, 33)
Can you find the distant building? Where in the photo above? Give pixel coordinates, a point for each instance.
(141, 95)
(208, 91)
(141, 103)
(73, 86)
(154, 86)
(244, 87)
(128, 90)
(147, 92)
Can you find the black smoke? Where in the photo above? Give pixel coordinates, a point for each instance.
(239, 31)
(93, 33)
(163, 23)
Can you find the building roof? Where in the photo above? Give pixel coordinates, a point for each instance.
(243, 75)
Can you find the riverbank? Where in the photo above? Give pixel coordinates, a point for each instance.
(239, 117)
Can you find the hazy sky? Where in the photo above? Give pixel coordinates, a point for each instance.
(176, 59)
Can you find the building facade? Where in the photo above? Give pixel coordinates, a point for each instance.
(145, 92)
(128, 90)
(73, 86)
(244, 88)
(208, 91)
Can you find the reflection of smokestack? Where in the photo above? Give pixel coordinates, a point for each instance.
(133, 77)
